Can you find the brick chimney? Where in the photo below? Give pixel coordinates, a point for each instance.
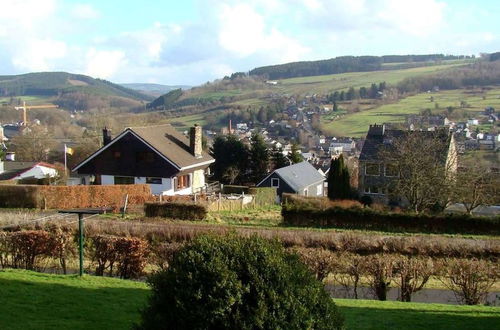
(106, 136)
(195, 141)
(376, 130)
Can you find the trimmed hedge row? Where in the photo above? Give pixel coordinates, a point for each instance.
(67, 197)
(176, 210)
(296, 214)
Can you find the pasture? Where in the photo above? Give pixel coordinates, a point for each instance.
(356, 124)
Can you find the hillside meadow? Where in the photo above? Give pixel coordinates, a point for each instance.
(356, 124)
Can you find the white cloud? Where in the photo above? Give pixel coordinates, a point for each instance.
(85, 11)
(104, 63)
(38, 55)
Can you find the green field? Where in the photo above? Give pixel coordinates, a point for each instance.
(329, 83)
(321, 84)
(41, 301)
(356, 124)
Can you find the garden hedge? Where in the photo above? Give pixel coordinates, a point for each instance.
(296, 213)
(67, 197)
(176, 210)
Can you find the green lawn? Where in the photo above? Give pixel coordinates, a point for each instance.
(369, 314)
(356, 124)
(41, 301)
(32, 300)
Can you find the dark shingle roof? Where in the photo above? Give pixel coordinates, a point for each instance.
(170, 143)
(375, 142)
(300, 175)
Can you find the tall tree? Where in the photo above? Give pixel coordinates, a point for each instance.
(259, 157)
(295, 155)
(339, 186)
(229, 153)
(33, 145)
(279, 159)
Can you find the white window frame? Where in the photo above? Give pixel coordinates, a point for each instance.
(366, 165)
(272, 183)
(367, 191)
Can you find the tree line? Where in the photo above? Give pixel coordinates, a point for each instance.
(238, 163)
(343, 64)
(362, 93)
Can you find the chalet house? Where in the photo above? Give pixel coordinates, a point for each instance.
(376, 174)
(301, 178)
(168, 161)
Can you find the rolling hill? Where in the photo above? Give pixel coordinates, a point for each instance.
(154, 89)
(57, 83)
(345, 64)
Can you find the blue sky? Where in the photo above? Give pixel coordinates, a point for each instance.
(191, 42)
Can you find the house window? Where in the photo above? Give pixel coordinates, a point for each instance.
(319, 190)
(275, 183)
(391, 170)
(373, 190)
(153, 180)
(147, 157)
(372, 169)
(182, 182)
(124, 179)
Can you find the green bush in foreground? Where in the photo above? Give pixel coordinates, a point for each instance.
(230, 282)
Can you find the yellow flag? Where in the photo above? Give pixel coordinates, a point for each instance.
(68, 150)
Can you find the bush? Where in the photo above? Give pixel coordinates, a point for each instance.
(230, 282)
(28, 247)
(176, 210)
(128, 253)
(470, 279)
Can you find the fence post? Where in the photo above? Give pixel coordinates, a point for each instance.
(195, 198)
(218, 203)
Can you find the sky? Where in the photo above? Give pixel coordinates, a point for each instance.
(191, 42)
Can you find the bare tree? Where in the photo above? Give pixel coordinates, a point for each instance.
(423, 164)
(33, 144)
(411, 274)
(470, 279)
(380, 270)
(474, 186)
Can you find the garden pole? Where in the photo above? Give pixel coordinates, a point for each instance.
(80, 240)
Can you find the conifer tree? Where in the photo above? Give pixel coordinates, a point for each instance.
(338, 180)
(259, 157)
(295, 156)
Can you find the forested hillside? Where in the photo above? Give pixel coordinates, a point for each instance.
(348, 64)
(57, 83)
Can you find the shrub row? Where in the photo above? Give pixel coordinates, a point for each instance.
(360, 243)
(31, 249)
(303, 214)
(176, 210)
(127, 257)
(470, 279)
(67, 197)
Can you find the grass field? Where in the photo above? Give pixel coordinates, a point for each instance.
(356, 124)
(41, 301)
(329, 83)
